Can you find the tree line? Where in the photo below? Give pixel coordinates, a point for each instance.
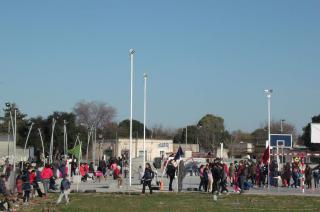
(208, 132)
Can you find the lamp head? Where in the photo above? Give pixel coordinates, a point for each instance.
(131, 51)
(268, 91)
(145, 76)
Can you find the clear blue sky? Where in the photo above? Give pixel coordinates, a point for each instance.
(201, 57)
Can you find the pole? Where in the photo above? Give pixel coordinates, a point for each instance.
(64, 138)
(269, 129)
(221, 150)
(94, 144)
(25, 145)
(186, 136)
(144, 120)
(88, 143)
(51, 142)
(278, 158)
(44, 156)
(9, 132)
(131, 100)
(12, 127)
(302, 172)
(15, 143)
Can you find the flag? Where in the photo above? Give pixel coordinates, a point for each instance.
(178, 154)
(76, 151)
(265, 156)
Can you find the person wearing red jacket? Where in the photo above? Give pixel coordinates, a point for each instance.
(46, 174)
(34, 183)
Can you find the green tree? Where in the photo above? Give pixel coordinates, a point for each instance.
(212, 131)
(137, 129)
(209, 133)
(192, 135)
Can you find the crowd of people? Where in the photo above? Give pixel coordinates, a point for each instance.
(33, 180)
(215, 176)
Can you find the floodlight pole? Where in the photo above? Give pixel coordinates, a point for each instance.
(269, 92)
(145, 77)
(65, 138)
(15, 143)
(186, 136)
(9, 132)
(131, 51)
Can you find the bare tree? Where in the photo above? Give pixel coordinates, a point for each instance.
(159, 132)
(94, 114)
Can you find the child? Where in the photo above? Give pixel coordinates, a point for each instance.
(19, 185)
(117, 176)
(26, 186)
(64, 189)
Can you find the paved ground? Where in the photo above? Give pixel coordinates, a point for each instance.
(190, 182)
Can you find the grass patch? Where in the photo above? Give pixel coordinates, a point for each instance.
(176, 202)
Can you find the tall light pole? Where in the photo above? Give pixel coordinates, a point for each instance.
(65, 139)
(145, 77)
(281, 125)
(268, 92)
(131, 52)
(186, 136)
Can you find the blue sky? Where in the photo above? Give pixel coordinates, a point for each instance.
(201, 57)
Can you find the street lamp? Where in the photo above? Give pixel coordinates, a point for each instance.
(281, 125)
(131, 52)
(268, 92)
(186, 136)
(281, 129)
(145, 77)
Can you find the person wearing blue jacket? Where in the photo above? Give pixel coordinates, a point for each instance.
(26, 187)
(147, 178)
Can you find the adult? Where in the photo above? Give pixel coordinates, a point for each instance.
(73, 167)
(34, 183)
(231, 173)
(171, 171)
(316, 177)
(147, 178)
(201, 175)
(308, 173)
(181, 174)
(241, 176)
(26, 187)
(46, 175)
(216, 174)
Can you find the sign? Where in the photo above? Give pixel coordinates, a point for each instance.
(281, 140)
(166, 145)
(315, 133)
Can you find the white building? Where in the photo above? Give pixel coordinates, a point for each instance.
(6, 149)
(117, 147)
